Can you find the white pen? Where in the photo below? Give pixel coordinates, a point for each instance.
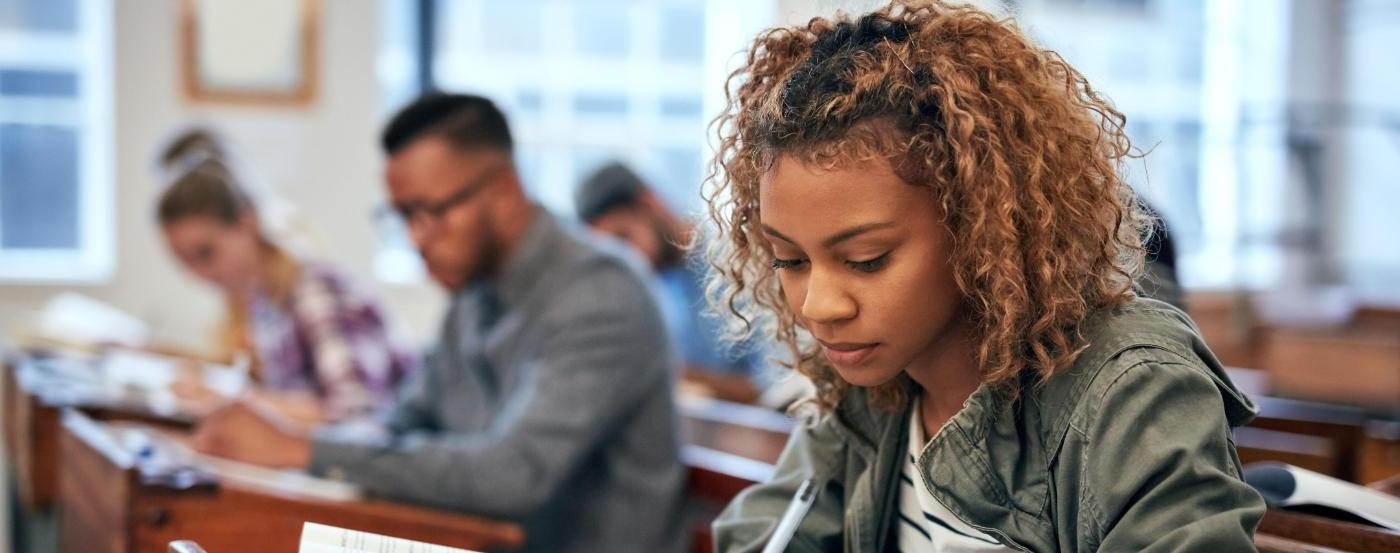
(787, 526)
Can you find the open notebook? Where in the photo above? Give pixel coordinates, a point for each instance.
(1300, 489)
(319, 538)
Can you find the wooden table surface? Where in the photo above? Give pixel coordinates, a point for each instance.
(112, 506)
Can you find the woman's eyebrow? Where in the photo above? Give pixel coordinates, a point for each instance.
(835, 238)
(854, 232)
(775, 234)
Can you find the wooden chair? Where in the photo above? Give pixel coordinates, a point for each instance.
(729, 447)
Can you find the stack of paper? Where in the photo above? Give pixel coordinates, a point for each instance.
(319, 538)
(74, 317)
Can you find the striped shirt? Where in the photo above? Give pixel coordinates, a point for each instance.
(925, 525)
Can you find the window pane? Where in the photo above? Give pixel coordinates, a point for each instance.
(683, 34)
(600, 29)
(24, 82)
(38, 187)
(600, 105)
(38, 15)
(680, 177)
(1133, 5)
(528, 163)
(681, 108)
(529, 101)
(511, 26)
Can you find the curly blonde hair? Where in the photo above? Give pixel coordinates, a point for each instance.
(1022, 155)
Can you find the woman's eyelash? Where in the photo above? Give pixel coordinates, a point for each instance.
(871, 265)
(780, 264)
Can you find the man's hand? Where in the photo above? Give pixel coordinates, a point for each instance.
(196, 398)
(251, 435)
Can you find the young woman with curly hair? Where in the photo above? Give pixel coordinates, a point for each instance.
(927, 209)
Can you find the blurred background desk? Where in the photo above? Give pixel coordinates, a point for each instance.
(64, 461)
(112, 504)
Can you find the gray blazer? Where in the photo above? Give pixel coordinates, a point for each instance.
(547, 401)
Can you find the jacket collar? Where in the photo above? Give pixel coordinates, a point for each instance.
(531, 261)
(957, 458)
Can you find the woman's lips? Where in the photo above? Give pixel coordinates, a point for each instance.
(847, 353)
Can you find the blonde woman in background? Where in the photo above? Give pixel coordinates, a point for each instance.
(320, 348)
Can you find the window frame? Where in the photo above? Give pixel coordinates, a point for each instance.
(92, 261)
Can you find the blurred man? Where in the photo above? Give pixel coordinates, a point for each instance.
(616, 202)
(547, 400)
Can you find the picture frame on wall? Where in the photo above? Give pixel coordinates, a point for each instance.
(250, 51)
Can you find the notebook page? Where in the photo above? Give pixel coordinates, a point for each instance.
(319, 538)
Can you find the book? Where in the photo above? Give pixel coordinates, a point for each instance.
(1303, 490)
(320, 538)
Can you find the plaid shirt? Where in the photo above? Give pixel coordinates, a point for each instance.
(330, 339)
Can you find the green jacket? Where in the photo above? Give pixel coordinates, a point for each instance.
(1128, 450)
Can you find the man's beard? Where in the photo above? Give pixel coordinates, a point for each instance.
(489, 261)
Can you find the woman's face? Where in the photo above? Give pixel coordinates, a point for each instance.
(864, 263)
(222, 254)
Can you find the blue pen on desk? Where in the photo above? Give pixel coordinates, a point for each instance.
(787, 526)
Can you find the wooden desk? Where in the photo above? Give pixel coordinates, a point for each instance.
(1354, 361)
(1380, 452)
(745, 430)
(1326, 533)
(1358, 365)
(1227, 322)
(31, 427)
(1322, 437)
(31, 444)
(109, 507)
(729, 447)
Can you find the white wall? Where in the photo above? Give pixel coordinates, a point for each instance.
(321, 158)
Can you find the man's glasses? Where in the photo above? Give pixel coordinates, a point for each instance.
(420, 214)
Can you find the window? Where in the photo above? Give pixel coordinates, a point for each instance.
(592, 81)
(1147, 58)
(55, 140)
(584, 83)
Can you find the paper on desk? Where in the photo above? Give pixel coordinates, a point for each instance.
(278, 480)
(153, 447)
(319, 538)
(138, 369)
(73, 316)
(153, 373)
